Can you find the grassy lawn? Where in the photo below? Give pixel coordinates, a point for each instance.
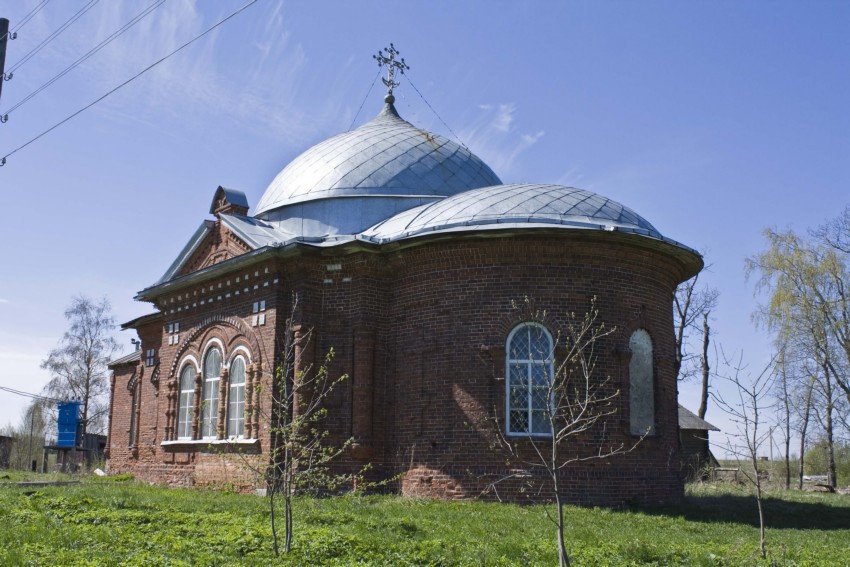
(104, 522)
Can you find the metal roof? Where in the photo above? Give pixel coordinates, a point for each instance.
(255, 232)
(134, 356)
(190, 247)
(690, 420)
(518, 205)
(387, 156)
(233, 197)
(142, 320)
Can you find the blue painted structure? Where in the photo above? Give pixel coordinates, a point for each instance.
(68, 424)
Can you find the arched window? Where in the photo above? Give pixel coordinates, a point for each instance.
(186, 402)
(529, 378)
(209, 403)
(641, 385)
(236, 399)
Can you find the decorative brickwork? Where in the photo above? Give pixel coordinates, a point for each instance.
(420, 330)
(402, 252)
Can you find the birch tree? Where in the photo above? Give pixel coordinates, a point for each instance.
(78, 366)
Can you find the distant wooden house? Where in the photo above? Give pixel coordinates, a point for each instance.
(693, 437)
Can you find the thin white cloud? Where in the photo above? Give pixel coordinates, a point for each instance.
(504, 115)
(261, 94)
(571, 178)
(2, 301)
(494, 137)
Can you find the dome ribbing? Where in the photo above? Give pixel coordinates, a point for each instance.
(387, 156)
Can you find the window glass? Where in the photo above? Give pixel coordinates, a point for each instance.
(530, 373)
(186, 402)
(209, 404)
(236, 399)
(641, 384)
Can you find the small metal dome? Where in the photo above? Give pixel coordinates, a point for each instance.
(386, 157)
(517, 206)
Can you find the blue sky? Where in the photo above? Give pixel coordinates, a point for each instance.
(713, 120)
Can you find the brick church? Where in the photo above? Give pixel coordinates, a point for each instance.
(407, 256)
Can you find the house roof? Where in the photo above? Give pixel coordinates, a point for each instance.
(135, 323)
(391, 182)
(517, 204)
(131, 358)
(690, 420)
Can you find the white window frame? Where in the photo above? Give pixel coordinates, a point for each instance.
(547, 362)
(190, 407)
(236, 422)
(210, 395)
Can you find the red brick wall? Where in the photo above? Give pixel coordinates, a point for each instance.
(451, 315)
(420, 331)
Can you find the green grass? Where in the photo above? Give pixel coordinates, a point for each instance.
(121, 522)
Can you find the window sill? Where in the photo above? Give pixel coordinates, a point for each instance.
(515, 435)
(212, 446)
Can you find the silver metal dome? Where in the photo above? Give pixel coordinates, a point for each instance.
(386, 157)
(513, 206)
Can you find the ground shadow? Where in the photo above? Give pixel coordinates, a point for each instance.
(740, 509)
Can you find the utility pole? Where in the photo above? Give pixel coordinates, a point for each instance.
(32, 424)
(4, 38)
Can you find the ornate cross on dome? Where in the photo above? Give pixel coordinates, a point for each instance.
(393, 65)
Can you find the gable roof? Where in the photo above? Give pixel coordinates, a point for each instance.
(690, 420)
(142, 320)
(186, 253)
(126, 360)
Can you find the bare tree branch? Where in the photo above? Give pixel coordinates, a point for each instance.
(78, 366)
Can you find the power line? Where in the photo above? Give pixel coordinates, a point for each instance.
(29, 395)
(375, 80)
(52, 36)
(440, 118)
(141, 15)
(131, 79)
(14, 33)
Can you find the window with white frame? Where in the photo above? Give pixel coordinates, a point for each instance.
(186, 403)
(150, 357)
(173, 330)
(236, 399)
(209, 398)
(529, 377)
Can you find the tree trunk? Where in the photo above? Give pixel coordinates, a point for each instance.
(762, 548)
(703, 404)
(787, 456)
(804, 427)
(287, 544)
(563, 558)
(832, 481)
(270, 486)
(787, 406)
(287, 498)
